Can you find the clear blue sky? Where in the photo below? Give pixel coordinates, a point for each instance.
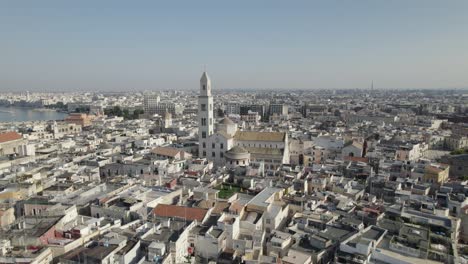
(138, 45)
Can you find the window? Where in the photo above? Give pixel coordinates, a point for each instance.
(221, 146)
(203, 134)
(213, 145)
(211, 121)
(221, 155)
(204, 87)
(204, 145)
(237, 162)
(203, 121)
(204, 153)
(213, 154)
(203, 107)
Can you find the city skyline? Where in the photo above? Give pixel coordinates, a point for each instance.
(89, 46)
(243, 132)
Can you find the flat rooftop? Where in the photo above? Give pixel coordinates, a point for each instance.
(260, 199)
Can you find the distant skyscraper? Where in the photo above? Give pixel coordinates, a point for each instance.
(205, 114)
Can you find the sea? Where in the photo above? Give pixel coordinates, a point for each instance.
(22, 114)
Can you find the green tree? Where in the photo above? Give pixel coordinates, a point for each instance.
(459, 151)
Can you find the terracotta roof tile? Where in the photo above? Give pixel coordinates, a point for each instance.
(259, 136)
(183, 212)
(166, 151)
(9, 136)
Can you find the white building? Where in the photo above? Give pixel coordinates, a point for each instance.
(411, 152)
(269, 148)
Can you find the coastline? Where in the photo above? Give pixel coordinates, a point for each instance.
(12, 114)
(33, 108)
(44, 110)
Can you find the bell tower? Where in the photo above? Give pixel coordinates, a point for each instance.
(205, 115)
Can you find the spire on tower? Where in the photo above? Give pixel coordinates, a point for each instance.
(204, 77)
(205, 84)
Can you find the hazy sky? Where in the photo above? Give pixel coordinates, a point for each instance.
(138, 45)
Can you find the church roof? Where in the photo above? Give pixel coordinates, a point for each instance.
(259, 136)
(265, 151)
(238, 150)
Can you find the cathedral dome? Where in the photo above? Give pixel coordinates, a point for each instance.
(238, 150)
(237, 153)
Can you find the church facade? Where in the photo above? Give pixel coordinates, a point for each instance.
(217, 141)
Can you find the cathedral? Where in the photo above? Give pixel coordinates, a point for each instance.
(226, 145)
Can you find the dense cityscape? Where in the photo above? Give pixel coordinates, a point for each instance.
(234, 132)
(212, 176)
